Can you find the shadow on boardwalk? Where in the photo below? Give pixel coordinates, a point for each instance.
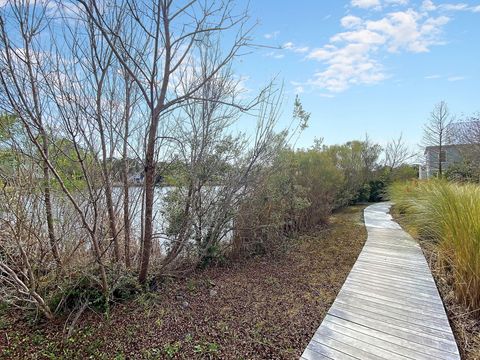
(389, 306)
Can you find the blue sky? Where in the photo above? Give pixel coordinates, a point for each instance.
(368, 66)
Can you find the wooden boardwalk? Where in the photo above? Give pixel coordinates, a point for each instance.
(389, 306)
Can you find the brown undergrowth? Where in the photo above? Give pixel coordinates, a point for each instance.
(464, 323)
(260, 308)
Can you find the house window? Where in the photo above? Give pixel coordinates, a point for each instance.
(443, 156)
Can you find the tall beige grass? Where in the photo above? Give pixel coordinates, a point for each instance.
(449, 214)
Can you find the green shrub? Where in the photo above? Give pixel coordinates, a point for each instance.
(126, 288)
(84, 289)
(213, 255)
(74, 294)
(377, 190)
(462, 172)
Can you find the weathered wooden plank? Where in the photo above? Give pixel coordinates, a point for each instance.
(399, 271)
(397, 278)
(353, 348)
(412, 266)
(392, 296)
(394, 284)
(311, 355)
(370, 337)
(325, 350)
(399, 314)
(394, 305)
(406, 292)
(389, 306)
(412, 335)
(395, 254)
(396, 324)
(399, 282)
(415, 350)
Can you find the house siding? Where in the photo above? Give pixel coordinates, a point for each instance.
(430, 169)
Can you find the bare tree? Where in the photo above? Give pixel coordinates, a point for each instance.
(468, 134)
(169, 38)
(24, 250)
(397, 153)
(127, 114)
(438, 132)
(20, 82)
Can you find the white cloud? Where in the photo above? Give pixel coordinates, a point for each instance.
(365, 4)
(428, 5)
(353, 57)
(302, 49)
(363, 36)
(275, 55)
(346, 66)
(292, 47)
(330, 96)
(351, 22)
(272, 35)
(454, 7)
(397, 2)
(456, 78)
(299, 90)
(377, 4)
(408, 30)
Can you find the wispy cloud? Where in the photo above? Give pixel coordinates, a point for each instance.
(326, 95)
(275, 55)
(351, 22)
(429, 5)
(376, 4)
(292, 47)
(456, 78)
(299, 89)
(353, 57)
(272, 35)
(365, 4)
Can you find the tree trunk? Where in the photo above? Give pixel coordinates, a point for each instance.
(150, 168)
(150, 165)
(126, 195)
(106, 176)
(48, 202)
(440, 156)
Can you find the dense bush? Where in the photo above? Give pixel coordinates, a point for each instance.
(449, 214)
(300, 190)
(462, 172)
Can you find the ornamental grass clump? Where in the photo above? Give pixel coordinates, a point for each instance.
(449, 214)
